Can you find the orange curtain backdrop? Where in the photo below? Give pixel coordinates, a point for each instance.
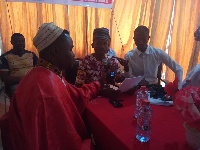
(1, 43)
(155, 14)
(125, 18)
(195, 57)
(183, 29)
(161, 23)
(96, 18)
(121, 21)
(77, 28)
(26, 18)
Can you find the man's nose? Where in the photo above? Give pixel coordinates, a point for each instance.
(20, 43)
(103, 46)
(73, 55)
(141, 42)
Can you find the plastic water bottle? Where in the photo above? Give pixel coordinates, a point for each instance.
(187, 83)
(143, 129)
(141, 95)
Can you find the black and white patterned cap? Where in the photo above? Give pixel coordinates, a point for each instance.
(47, 34)
(101, 33)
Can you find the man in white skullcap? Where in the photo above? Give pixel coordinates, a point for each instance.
(46, 111)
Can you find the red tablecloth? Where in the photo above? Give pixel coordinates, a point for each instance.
(114, 128)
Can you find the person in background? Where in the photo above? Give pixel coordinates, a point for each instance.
(93, 66)
(110, 52)
(16, 63)
(46, 111)
(194, 74)
(145, 59)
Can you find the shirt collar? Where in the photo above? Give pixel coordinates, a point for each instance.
(94, 58)
(19, 53)
(48, 65)
(139, 52)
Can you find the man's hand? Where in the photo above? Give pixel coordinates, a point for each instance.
(124, 63)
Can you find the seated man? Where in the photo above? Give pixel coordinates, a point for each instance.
(145, 59)
(93, 66)
(16, 62)
(194, 74)
(46, 111)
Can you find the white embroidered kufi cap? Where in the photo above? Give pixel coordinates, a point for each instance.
(47, 34)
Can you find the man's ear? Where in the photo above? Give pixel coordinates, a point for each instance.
(11, 42)
(55, 50)
(92, 45)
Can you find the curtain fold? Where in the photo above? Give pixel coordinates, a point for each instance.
(96, 18)
(182, 38)
(195, 57)
(77, 28)
(161, 23)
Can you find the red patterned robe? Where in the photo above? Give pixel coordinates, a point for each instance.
(90, 69)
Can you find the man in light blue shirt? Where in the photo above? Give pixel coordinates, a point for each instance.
(111, 52)
(145, 59)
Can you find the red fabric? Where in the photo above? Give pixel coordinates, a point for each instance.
(46, 114)
(114, 128)
(172, 87)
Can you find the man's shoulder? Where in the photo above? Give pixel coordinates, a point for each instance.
(112, 51)
(30, 52)
(6, 53)
(39, 75)
(131, 52)
(89, 58)
(155, 50)
(196, 68)
(38, 82)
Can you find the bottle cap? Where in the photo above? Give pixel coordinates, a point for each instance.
(143, 88)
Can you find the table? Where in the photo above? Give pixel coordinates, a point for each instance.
(114, 128)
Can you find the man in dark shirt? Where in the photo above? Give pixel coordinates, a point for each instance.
(16, 62)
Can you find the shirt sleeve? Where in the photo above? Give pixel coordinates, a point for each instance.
(4, 64)
(114, 53)
(128, 74)
(194, 76)
(81, 96)
(174, 66)
(81, 73)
